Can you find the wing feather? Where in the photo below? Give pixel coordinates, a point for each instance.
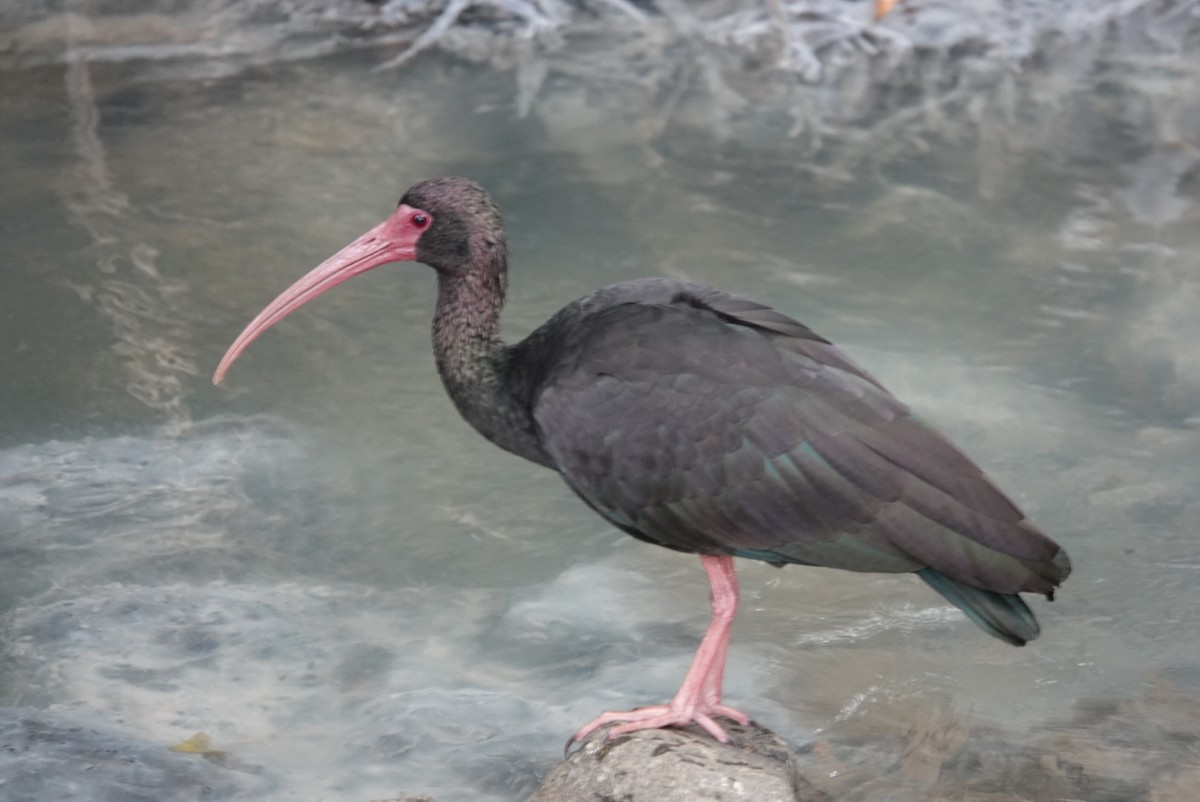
(707, 422)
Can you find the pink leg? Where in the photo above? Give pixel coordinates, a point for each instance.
(699, 697)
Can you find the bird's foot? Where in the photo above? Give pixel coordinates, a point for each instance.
(658, 716)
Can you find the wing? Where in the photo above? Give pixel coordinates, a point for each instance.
(705, 422)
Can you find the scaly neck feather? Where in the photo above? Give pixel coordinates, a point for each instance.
(472, 360)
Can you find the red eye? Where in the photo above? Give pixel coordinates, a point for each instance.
(419, 220)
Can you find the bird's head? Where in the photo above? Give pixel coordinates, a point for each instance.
(450, 224)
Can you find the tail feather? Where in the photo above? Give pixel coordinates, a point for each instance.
(1003, 615)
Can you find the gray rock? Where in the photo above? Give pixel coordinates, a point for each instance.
(58, 756)
(680, 765)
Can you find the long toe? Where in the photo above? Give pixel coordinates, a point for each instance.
(729, 713)
(613, 717)
(671, 718)
(658, 716)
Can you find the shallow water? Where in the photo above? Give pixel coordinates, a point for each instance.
(323, 569)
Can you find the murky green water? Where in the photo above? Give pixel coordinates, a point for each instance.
(322, 568)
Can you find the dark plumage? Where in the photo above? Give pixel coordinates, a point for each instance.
(708, 423)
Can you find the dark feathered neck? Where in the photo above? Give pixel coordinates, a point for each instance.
(465, 326)
(475, 364)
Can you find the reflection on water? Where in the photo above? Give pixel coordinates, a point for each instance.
(324, 570)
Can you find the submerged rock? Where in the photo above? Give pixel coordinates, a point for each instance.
(47, 755)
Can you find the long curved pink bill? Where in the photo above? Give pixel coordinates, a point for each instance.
(393, 240)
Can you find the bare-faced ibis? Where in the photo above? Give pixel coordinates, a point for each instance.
(707, 423)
